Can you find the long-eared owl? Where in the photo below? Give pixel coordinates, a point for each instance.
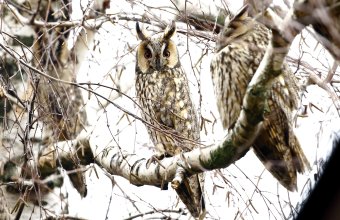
(240, 48)
(60, 105)
(163, 94)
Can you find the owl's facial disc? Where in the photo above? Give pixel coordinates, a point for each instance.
(161, 58)
(157, 55)
(158, 60)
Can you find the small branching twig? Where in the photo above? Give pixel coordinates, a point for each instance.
(179, 211)
(325, 85)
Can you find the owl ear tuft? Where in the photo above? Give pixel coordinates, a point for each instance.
(242, 13)
(140, 33)
(170, 30)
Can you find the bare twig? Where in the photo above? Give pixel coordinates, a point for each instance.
(93, 24)
(331, 72)
(180, 211)
(325, 85)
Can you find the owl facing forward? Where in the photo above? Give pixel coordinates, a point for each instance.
(163, 93)
(239, 50)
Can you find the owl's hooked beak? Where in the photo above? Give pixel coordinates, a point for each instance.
(158, 65)
(221, 43)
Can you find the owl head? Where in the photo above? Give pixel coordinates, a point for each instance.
(235, 28)
(157, 53)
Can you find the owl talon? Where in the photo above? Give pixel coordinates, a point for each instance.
(155, 158)
(179, 177)
(175, 184)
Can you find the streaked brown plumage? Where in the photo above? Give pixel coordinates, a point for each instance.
(61, 108)
(163, 93)
(60, 105)
(239, 50)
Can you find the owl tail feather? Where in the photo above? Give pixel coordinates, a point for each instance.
(190, 192)
(79, 182)
(283, 160)
(77, 177)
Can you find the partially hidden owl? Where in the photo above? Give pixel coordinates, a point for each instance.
(60, 105)
(240, 48)
(163, 93)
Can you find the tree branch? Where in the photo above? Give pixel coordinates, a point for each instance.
(324, 17)
(325, 84)
(95, 23)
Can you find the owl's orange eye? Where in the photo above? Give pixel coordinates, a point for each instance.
(166, 53)
(147, 54)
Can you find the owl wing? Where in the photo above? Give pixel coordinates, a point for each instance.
(190, 191)
(271, 146)
(177, 114)
(62, 105)
(62, 108)
(287, 96)
(73, 121)
(276, 145)
(59, 103)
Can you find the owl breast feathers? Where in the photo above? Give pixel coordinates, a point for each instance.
(239, 50)
(163, 94)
